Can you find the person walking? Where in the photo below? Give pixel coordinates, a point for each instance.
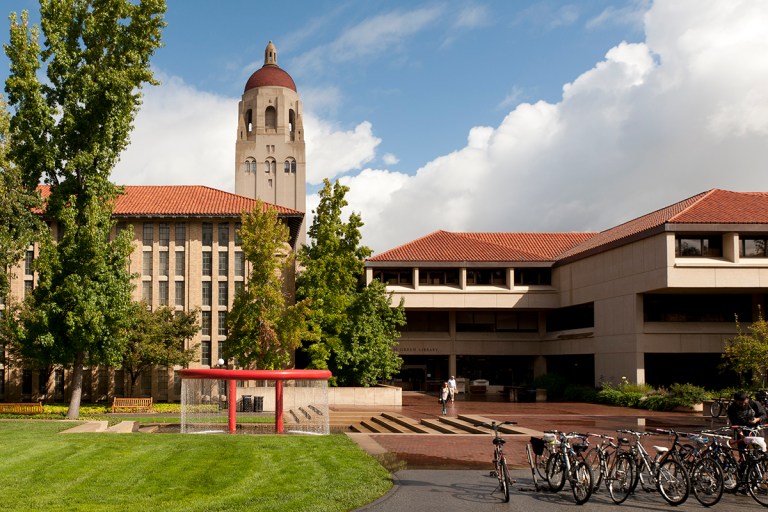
(444, 393)
(452, 387)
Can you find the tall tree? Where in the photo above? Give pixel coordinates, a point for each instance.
(156, 338)
(263, 328)
(354, 328)
(747, 352)
(69, 131)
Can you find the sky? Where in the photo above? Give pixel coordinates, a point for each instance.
(496, 115)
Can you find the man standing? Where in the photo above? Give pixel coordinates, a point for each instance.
(452, 387)
(745, 412)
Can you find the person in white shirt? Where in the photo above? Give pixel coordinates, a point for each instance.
(452, 387)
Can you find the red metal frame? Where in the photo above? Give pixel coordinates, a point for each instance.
(232, 376)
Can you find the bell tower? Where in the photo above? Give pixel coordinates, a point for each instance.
(270, 161)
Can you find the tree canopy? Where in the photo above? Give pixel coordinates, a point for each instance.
(354, 325)
(68, 131)
(747, 353)
(263, 329)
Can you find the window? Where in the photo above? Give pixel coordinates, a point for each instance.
(29, 259)
(238, 240)
(239, 264)
(181, 234)
(163, 263)
(580, 316)
(178, 293)
(58, 384)
(475, 321)
(207, 234)
(239, 287)
(162, 291)
(699, 307)
(164, 234)
(270, 118)
(223, 263)
(699, 246)
(487, 276)
(223, 293)
(205, 353)
(207, 256)
(149, 234)
(179, 263)
(395, 276)
(146, 268)
(207, 293)
(267, 167)
(752, 247)
(533, 277)
(205, 323)
(442, 276)
(287, 166)
(146, 291)
(224, 233)
(222, 323)
(29, 285)
(293, 166)
(426, 321)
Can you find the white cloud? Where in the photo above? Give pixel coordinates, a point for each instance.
(332, 152)
(472, 16)
(389, 159)
(182, 136)
(651, 124)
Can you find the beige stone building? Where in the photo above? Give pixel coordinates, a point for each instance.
(186, 247)
(652, 300)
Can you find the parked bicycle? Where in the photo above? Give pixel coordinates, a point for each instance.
(500, 469)
(618, 473)
(753, 463)
(719, 406)
(565, 463)
(706, 474)
(662, 472)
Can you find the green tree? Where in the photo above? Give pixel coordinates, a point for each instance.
(69, 131)
(156, 338)
(264, 330)
(354, 327)
(747, 353)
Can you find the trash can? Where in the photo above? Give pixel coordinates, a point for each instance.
(247, 404)
(258, 404)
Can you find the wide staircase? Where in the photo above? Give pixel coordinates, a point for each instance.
(376, 422)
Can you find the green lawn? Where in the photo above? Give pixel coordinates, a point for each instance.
(43, 470)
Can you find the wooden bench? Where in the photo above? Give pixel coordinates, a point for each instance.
(132, 405)
(24, 408)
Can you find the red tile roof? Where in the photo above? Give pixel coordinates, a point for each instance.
(182, 200)
(443, 246)
(270, 76)
(711, 207)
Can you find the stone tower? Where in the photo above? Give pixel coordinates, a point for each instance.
(270, 161)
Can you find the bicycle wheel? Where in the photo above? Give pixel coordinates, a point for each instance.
(757, 481)
(581, 482)
(730, 471)
(504, 479)
(716, 409)
(672, 482)
(540, 461)
(620, 478)
(592, 458)
(707, 481)
(555, 472)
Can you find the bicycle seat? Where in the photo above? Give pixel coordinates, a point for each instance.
(498, 440)
(660, 449)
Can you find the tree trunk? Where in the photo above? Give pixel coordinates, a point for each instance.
(77, 387)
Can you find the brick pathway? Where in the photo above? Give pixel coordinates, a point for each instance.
(451, 451)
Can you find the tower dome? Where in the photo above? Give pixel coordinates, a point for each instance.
(270, 74)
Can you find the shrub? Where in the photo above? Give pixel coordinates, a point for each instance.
(554, 383)
(580, 394)
(686, 394)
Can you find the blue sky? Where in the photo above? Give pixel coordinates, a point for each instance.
(473, 115)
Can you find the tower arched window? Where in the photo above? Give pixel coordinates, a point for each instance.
(269, 166)
(290, 165)
(249, 120)
(270, 118)
(247, 167)
(292, 124)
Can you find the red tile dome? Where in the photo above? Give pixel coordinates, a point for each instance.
(270, 75)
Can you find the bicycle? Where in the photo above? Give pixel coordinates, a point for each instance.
(753, 464)
(707, 477)
(618, 472)
(565, 463)
(662, 472)
(500, 469)
(719, 406)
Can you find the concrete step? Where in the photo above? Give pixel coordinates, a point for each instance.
(375, 427)
(124, 427)
(440, 426)
(513, 430)
(412, 425)
(392, 426)
(465, 426)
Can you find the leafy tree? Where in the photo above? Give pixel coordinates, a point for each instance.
(747, 353)
(69, 131)
(19, 222)
(156, 338)
(354, 327)
(263, 329)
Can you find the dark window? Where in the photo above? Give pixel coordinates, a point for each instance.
(164, 234)
(533, 276)
(222, 321)
(205, 353)
(207, 264)
(497, 321)
(26, 382)
(223, 293)
(58, 384)
(149, 234)
(426, 321)
(442, 276)
(205, 322)
(752, 247)
(698, 308)
(179, 293)
(270, 118)
(179, 263)
(207, 234)
(29, 259)
(162, 292)
(238, 240)
(703, 246)
(395, 276)
(581, 316)
(181, 234)
(207, 293)
(223, 263)
(475, 321)
(146, 267)
(487, 276)
(163, 262)
(224, 233)
(239, 264)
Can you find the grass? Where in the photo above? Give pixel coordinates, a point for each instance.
(43, 470)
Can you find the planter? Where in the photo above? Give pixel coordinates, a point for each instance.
(690, 408)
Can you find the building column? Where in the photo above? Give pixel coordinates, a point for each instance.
(539, 366)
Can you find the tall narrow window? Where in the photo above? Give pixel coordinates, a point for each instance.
(181, 234)
(164, 234)
(224, 233)
(293, 166)
(162, 291)
(205, 352)
(179, 271)
(149, 234)
(207, 234)
(222, 328)
(223, 263)
(207, 256)
(267, 167)
(146, 291)
(163, 262)
(146, 267)
(239, 264)
(207, 293)
(238, 240)
(223, 293)
(205, 323)
(179, 293)
(270, 118)
(29, 259)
